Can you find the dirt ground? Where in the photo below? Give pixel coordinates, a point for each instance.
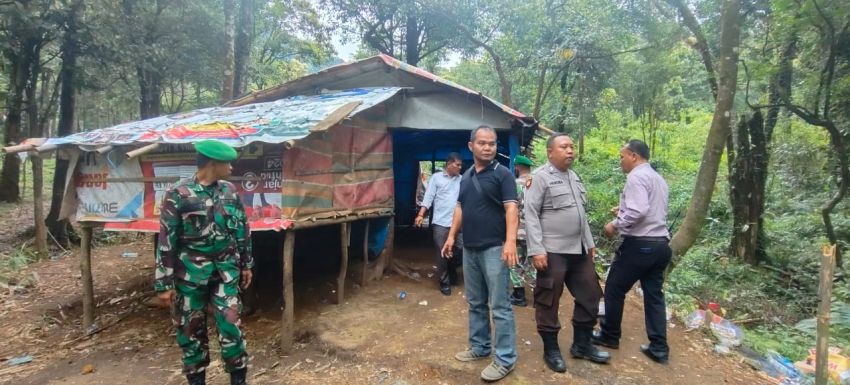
(372, 338)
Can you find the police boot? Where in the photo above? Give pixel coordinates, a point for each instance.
(518, 297)
(552, 353)
(199, 378)
(583, 348)
(238, 377)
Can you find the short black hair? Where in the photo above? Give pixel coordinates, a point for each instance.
(481, 127)
(551, 141)
(453, 157)
(202, 160)
(639, 147)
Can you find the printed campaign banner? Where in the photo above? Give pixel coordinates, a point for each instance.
(127, 195)
(104, 187)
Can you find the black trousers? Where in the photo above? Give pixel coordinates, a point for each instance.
(447, 268)
(579, 275)
(644, 261)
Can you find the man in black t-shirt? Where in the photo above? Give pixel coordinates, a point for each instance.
(487, 210)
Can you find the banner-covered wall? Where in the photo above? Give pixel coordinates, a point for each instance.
(347, 167)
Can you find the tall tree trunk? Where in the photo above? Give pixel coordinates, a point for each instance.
(749, 166)
(35, 131)
(67, 105)
(538, 98)
(19, 64)
(718, 133)
(746, 199)
(150, 92)
(229, 49)
(411, 40)
(244, 41)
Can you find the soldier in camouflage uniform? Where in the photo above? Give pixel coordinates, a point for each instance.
(523, 272)
(203, 259)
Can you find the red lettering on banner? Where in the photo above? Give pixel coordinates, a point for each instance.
(96, 180)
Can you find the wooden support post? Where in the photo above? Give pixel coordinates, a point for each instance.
(85, 270)
(288, 320)
(386, 258)
(345, 236)
(825, 294)
(364, 278)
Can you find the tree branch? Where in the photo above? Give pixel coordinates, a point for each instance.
(617, 53)
(690, 21)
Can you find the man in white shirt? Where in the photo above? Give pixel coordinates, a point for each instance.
(441, 194)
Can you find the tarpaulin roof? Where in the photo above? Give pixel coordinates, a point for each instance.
(270, 122)
(358, 72)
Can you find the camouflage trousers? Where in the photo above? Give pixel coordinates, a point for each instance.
(524, 272)
(189, 316)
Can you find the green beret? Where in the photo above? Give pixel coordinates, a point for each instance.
(522, 161)
(216, 150)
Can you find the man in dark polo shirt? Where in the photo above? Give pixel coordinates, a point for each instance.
(487, 210)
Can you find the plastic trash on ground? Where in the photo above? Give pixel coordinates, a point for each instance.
(695, 320)
(838, 365)
(727, 332)
(778, 368)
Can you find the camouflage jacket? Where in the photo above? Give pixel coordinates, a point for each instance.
(203, 230)
(521, 183)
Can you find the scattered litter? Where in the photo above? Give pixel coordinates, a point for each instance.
(777, 367)
(402, 294)
(415, 275)
(129, 254)
(430, 275)
(527, 342)
(87, 369)
(639, 292)
(309, 361)
(722, 349)
(423, 303)
(838, 364)
(727, 332)
(19, 360)
(601, 309)
(695, 320)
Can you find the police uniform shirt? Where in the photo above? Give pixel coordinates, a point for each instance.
(555, 217)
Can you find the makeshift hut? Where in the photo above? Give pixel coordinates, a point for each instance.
(339, 147)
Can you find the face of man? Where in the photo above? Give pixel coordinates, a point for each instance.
(222, 170)
(483, 146)
(453, 167)
(561, 154)
(628, 160)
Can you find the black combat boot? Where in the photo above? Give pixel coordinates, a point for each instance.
(518, 297)
(552, 353)
(238, 377)
(583, 348)
(601, 339)
(199, 378)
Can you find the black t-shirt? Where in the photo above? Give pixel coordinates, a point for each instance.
(483, 206)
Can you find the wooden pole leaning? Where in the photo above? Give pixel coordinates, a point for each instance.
(86, 276)
(364, 277)
(345, 236)
(288, 318)
(825, 294)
